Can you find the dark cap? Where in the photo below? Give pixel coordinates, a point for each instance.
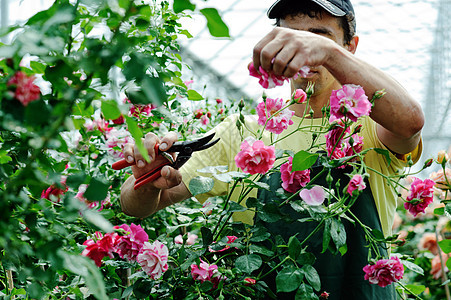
(338, 8)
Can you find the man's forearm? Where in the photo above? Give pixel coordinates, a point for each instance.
(147, 200)
(139, 203)
(400, 116)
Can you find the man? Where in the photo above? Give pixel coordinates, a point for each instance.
(319, 34)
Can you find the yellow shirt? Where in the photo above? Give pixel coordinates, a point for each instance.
(223, 154)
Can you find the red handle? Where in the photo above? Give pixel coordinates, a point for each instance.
(119, 165)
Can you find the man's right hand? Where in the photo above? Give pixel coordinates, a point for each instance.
(170, 177)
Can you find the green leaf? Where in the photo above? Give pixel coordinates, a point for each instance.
(305, 292)
(378, 234)
(63, 15)
(97, 190)
(137, 135)
(260, 234)
(416, 289)
(306, 258)
(86, 268)
(110, 110)
(447, 211)
(338, 233)
(235, 207)
(215, 24)
(439, 211)
(294, 247)
(248, 263)
(257, 184)
(186, 33)
(303, 160)
(37, 67)
(153, 89)
(96, 219)
(4, 157)
(194, 96)
(207, 236)
(270, 213)
(445, 245)
(448, 263)
(385, 153)
(75, 180)
(181, 5)
(413, 267)
(326, 236)
(289, 279)
(312, 276)
(260, 250)
(200, 185)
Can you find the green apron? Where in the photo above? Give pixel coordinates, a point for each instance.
(341, 276)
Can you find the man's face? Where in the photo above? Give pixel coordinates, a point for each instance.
(327, 26)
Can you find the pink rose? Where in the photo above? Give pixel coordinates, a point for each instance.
(293, 181)
(338, 146)
(420, 196)
(119, 120)
(129, 245)
(436, 266)
(206, 272)
(153, 259)
(191, 239)
(188, 83)
(230, 239)
(269, 80)
(249, 281)
(255, 157)
(269, 115)
(204, 120)
(137, 110)
(350, 101)
(219, 101)
(92, 204)
(104, 246)
(116, 140)
(266, 80)
(299, 96)
(442, 180)
(336, 135)
(314, 197)
(429, 242)
(54, 193)
(356, 183)
(26, 91)
(198, 113)
(384, 271)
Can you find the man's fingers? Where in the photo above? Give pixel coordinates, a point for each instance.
(149, 143)
(129, 153)
(259, 49)
(170, 177)
(168, 140)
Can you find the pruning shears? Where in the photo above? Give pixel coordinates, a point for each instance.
(184, 148)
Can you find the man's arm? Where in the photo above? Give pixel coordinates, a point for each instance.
(153, 196)
(399, 116)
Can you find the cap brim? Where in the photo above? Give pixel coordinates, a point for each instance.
(275, 9)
